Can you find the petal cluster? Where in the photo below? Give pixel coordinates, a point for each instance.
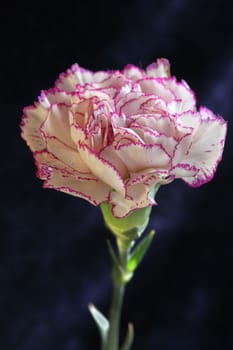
(111, 136)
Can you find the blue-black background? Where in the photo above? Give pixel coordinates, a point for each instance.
(53, 256)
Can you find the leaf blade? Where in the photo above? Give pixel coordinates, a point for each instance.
(139, 252)
(101, 322)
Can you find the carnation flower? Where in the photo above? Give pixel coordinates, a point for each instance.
(113, 136)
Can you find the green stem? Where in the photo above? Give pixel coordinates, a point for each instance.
(114, 318)
(112, 342)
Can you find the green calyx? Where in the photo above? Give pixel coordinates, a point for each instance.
(128, 228)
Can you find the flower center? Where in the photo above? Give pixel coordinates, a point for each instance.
(99, 127)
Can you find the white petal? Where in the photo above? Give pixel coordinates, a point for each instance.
(76, 75)
(57, 124)
(182, 93)
(162, 124)
(182, 149)
(188, 121)
(33, 118)
(156, 87)
(125, 136)
(62, 178)
(205, 151)
(111, 156)
(133, 72)
(137, 103)
(138, 156)
(67, 155)
(160, 68)
(55, 96)
(138, 197)
(93, 191)
(102, 169)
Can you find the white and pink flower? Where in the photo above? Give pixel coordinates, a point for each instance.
(112, 136)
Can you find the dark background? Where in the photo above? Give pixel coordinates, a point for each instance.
(53, 256)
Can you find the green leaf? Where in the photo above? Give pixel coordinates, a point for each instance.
(101, 322)
(139, 252)
(129, 338)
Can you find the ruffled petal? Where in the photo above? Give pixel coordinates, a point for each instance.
(139, 194)
(62, 178)
(155, 86)
(184, 170)
(102, 169)
(184, 95)
(206, 148)
(111, 157)
(122, 206)
(33, 118)
(133, 73)
(140, 156)
(75, 75)
(54, 96)
(69, 156)
(96, 192)
(182, 148)
(137, 103)
(125, 136)
(160, 68)
(159, 123)
(57, 124)
(188, 121)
